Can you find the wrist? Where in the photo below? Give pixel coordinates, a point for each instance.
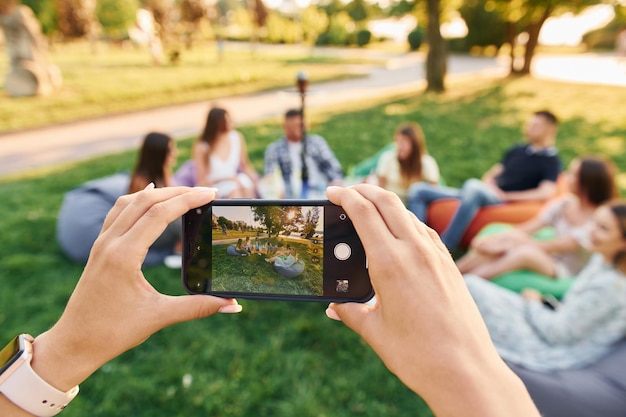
(60, 360)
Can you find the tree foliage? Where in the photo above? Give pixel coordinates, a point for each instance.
(116, 16)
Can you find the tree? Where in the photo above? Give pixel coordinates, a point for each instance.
(528, 16)
(436, 65)
(310, 222)
(46, 14)
(76, 18)
(271, 217)
(116, 16)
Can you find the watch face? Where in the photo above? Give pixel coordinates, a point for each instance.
(10, 353)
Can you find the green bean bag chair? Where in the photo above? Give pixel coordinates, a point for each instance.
(519, 280)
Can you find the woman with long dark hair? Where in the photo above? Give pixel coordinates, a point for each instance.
(155, 162)
(221, 158)
(408, 163)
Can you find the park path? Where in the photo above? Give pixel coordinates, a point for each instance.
(400, 74)
(66, 142)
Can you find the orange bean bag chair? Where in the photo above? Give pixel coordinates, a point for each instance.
(440, 213)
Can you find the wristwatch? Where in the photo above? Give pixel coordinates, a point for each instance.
(22, 386)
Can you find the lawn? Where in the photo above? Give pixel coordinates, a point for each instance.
(279, 359)
(114, 79)
(253, 274)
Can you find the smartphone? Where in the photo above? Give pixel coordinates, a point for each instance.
(293, 250)
(550, 301)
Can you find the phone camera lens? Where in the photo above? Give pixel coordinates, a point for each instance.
(342, 216)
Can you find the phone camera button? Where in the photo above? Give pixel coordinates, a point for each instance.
(342, 251)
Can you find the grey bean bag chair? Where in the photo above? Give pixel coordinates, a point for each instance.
(598, 390)
(83, 212)
(290, 271)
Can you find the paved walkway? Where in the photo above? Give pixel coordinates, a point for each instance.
(403, 73)
(34, 148)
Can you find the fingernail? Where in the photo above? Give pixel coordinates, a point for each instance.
(332, 314)
(149, 186)
(231, 308)
(332, 187)
(206, 189)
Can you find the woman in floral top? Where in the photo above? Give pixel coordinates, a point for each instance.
(590, 318)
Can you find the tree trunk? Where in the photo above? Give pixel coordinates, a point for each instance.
(533, 30)
(436, 59)
(533, 40)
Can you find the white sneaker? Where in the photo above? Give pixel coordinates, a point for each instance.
(174, 261)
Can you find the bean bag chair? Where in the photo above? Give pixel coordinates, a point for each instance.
(598, 390)
(290, 271)
(519, 280)
(83, 212)
(186, 174)
(232, 250)
(440, 213)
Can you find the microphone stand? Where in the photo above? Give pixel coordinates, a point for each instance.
(302, 83)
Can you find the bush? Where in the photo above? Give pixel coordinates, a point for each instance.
(46, 14)
(116, 16)
(484, 28)
(415, 38)
(363, 37)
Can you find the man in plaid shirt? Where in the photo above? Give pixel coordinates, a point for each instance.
(287, 154)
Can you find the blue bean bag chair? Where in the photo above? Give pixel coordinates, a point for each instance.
(83, 212)
(232, 250)
(598, 390)
(290, 271)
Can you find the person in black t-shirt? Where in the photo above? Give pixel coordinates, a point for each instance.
(527, 172)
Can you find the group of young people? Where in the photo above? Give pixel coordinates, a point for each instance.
(442, 333)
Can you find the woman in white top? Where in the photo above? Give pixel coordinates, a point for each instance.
(592, 183)
(221, 158)
(408, 163)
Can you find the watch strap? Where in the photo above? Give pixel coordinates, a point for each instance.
(28, 391)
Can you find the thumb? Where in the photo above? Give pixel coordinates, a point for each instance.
(177, 309)
(354, 315)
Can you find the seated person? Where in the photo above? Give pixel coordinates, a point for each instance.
(84, 208)
(155, 162)
(408, 163)
(527, 172)
(237, 249)
(587, 322)
(221, 159)
(286, 258)
(287, 155)
(592, 182)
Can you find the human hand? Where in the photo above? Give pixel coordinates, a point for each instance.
(531, 295)
(424, 326)
(113, 307)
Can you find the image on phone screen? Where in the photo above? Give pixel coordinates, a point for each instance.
(269, 250)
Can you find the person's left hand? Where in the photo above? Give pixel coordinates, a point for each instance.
(113, 307)
(531, 295)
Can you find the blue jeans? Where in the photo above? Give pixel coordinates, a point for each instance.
(473, 195)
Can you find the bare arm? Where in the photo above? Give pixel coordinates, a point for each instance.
(425, 326)
(113, 308)
(490, 176)
(200, 155)
(545, 191)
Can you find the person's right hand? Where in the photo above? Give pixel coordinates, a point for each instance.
(425, 326)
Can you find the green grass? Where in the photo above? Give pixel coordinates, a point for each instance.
(279, 359)
(253, 274)
(112, 79)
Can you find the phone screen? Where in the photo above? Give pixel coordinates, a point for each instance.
(293, 250)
